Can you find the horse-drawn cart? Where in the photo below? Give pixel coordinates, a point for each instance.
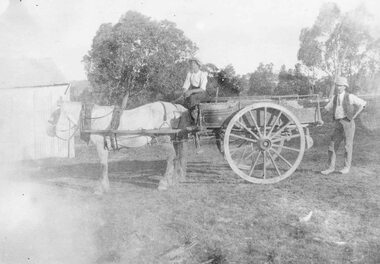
(263, 139)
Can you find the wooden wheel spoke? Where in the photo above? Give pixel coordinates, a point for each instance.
(246, 128)
(253, 151)
(274, 163)
(280, 130)
(284, 147)
(238, 145)
(233, 150)
(254, 164)
(271, 129)
(281, 157)
(244, 138)
(283, 138)
(255, 123)
(264, 165)
(242, 155)
(271, 117)
(265, 121)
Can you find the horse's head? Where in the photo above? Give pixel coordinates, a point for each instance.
(64, 120)
(52, 122)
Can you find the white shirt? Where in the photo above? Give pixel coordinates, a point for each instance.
(352, 100)
(198, 79)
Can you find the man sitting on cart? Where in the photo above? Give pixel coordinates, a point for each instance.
(195, 87)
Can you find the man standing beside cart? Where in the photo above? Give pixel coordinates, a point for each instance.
(345, 108)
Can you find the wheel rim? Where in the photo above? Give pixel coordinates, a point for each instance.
(264, 143)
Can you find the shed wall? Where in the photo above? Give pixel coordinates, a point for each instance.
(24, 115)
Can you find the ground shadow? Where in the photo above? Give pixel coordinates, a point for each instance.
(84, 176)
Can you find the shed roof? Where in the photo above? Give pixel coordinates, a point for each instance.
(25, 72)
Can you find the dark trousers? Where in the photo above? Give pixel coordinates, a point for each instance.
(344, 130)
(191, 102)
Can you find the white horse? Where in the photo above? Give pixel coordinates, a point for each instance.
(150, 116)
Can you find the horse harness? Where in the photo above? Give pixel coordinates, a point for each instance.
(110, 138)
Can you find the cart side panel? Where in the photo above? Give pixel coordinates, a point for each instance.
(216, 114)
(307, 112)
(305, 108)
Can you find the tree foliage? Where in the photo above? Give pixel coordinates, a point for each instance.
(292, 81)
(263, 81)
(340, 44)
(139, 57)
(231, 84)
(225, 81)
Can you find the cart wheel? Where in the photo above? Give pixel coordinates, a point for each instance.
(264, 143)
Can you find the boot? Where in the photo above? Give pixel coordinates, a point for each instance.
(328, 171)
(345, 170)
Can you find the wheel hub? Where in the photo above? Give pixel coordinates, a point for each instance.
(265, 144)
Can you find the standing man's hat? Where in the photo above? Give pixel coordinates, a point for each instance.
(196, 60)
(341, 81)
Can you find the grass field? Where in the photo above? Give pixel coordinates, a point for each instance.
(49, 213)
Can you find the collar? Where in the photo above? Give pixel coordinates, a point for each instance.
(342, 94)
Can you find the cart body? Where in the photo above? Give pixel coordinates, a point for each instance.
(214, 114)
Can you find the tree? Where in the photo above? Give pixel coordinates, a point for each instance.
(292, 81)
(340, 44)
(262, 81)
(80, 91)
(225, 81)
(140, 57)
(212, 79)
(231, 84)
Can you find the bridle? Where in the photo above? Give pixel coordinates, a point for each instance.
(72, 123)
(72, 126)
(76, 127)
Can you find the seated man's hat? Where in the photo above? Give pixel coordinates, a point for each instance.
(196, 60)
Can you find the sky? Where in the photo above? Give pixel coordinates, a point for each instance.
(242, 33)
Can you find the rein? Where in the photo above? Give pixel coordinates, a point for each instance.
(75, 126)
(71, 136)
(71, 127)
(99, 117)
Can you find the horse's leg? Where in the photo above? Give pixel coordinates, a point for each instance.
(168, 180)
(103, 157)
(180, 163)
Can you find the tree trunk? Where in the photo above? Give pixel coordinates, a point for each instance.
(125, 101)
